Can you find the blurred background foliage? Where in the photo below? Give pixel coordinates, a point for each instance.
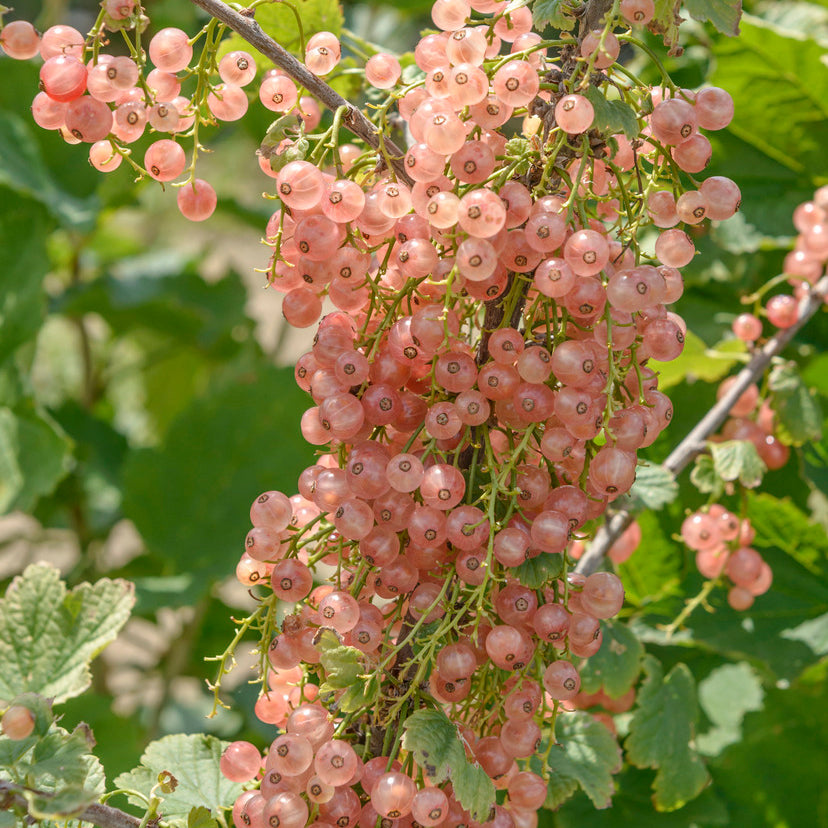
(147, 397)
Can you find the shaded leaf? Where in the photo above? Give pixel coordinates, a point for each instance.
(194, 761)
(34, 458)
(48, 636)
(612, 116)
(797, 408)
(586, 757)
(251, 428)
(540, 570)
(342, 664)
(439, 751)
(723, 14)
(616, 665)
(661, 735)
(738, 460)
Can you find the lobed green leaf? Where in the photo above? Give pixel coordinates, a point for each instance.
(48, 635)
(616, 665)
(738, 460)
(662, 732)
(440, 752)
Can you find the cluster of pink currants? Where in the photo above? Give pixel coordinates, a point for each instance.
(481, 391)
(721, 542)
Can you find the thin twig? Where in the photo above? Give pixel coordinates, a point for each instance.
(694, 443)
(353, 118)
(104, 816)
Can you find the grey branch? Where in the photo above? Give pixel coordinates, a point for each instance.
(353, 118)
(694, 443)
(105, 816)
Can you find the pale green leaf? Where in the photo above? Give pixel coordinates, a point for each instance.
(342, 664)
(738, 460)
(704, 477)
(654, 487)
(662, 732)
(278, 21)
(612, 116)
(797, 408)
(200, 818)
(586, 757)
(726, 695)
(697, 362)
(813, 633)
(556, 13)
(723, 14)
(440, 752)
(48, 636)
(194, 761)
(616, 665)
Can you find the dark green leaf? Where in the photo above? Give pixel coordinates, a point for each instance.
(779, 84)
(540, 570)
(723, 14)
(48, 636)
(34, 457)
(612, 116)
(189, 497)
(797, 409)
(654, 570)
(24, 227)
(661, 735)
(585, 757)
(439, 751)
(738, 460)
(615, 667)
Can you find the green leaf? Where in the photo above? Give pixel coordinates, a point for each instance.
(24, 228)
(779, 523)
(252, 430)
(661, 735)
(34, 458)
(797, 409)
(632, 806)
(278, 21)
(738, 460)
(813, 633)
(726, 696)
(439, 751)
(540, 570)
(654, 569)
(612, 116)
(666, 21)
(697, 362)
(616, 665)
(555, 13)
(23, 170)
(194, 761)
(723, 14)
(779, 84)
(200, 818)
(67, 802)
(586, 757)
(704, 477)
(342, 664)
(360, 695)
(654, 487)
(48, 636)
